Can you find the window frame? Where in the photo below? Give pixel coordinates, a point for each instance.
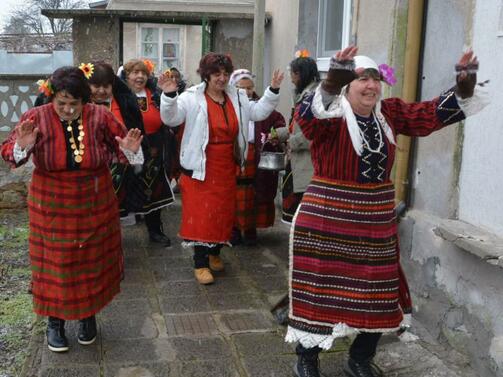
(323, 57)
(160, 29)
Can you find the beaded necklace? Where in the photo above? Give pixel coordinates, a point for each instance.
(76, 142)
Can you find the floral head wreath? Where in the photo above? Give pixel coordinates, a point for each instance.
(45, 87)
(150, 66)
(87, 68)
(302, 54)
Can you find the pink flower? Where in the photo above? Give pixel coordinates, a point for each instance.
(387, 74)
(263, 137)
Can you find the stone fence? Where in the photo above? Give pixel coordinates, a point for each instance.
(17, 95)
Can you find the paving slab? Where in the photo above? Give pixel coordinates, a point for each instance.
(191, 324)
(135, 351)
(164, 324)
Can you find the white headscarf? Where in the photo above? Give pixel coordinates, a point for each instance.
(240, 74)
(342, 108)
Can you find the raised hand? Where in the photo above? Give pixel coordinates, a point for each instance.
(26, 133)
(132, 141)
(167, 82)
(341, 70)
(346, 54)
(277, 78)
(466, 74)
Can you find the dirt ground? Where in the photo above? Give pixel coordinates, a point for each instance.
(16, 316)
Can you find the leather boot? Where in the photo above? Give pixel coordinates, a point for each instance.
(362, 369)
(87, 331)
(56, 339)
(308, 363)
(216, 263)
(203, 275)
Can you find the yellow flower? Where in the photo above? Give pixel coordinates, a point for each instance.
(44, 86)
(87, 68)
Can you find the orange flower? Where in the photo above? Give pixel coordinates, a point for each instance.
(87, 68)
(302, 54)
(150, 66)
(44, 86)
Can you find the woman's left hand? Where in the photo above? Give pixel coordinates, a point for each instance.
(466, 77)
(132, 141)
(277, 78)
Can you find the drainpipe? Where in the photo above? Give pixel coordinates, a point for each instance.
(416, 17)
(258, 45)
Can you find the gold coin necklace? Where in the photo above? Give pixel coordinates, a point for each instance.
(78, 150)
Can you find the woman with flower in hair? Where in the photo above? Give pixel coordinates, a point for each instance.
(75, 240)
(214, 140)
(299, 170)
(345, 275)
(160, 145)
(109, 91)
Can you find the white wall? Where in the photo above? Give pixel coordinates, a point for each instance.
(481, 181)
(283, 32)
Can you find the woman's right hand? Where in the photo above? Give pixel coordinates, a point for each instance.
(26, 133)
(341, 70)
(167, 82)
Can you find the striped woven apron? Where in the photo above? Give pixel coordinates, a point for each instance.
(75, 242)
(345, 272)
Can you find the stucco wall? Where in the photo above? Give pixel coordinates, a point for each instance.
(283, 32)
(86, 44)
(235, 37)
(481, 180)
(457, 295)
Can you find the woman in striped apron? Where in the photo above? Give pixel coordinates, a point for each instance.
(345, 276)
(75, 239)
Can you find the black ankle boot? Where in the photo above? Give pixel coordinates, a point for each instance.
(362, 369)
(56, 339)
(159, 237)
(87, 330)
(308, 363)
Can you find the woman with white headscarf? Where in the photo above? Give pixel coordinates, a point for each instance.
(256, 188)
(345, 276)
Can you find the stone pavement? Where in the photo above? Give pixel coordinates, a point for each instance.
(164, 324)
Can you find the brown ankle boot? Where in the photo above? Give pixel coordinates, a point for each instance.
(216, 263)
(203, 275)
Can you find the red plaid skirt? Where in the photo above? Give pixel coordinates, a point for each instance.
(75, 242)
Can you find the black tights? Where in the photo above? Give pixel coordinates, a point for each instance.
(363, 347)
(153, 221)
(201, 254)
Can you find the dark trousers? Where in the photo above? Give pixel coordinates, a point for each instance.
(201, 254)
(363, 347)
(153, 221)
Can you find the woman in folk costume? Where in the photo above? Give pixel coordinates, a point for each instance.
(299, 169)
(256, 188)
(75, 240)
(345, 276)
(215, 138)
(159, 140)
(108, 90)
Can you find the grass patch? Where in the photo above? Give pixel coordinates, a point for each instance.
(16, 313)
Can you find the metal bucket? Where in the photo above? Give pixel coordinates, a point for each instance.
(271, 160)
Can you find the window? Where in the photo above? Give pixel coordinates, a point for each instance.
(161, 44)
(333, 29)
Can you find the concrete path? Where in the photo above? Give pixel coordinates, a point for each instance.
(164, 324)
